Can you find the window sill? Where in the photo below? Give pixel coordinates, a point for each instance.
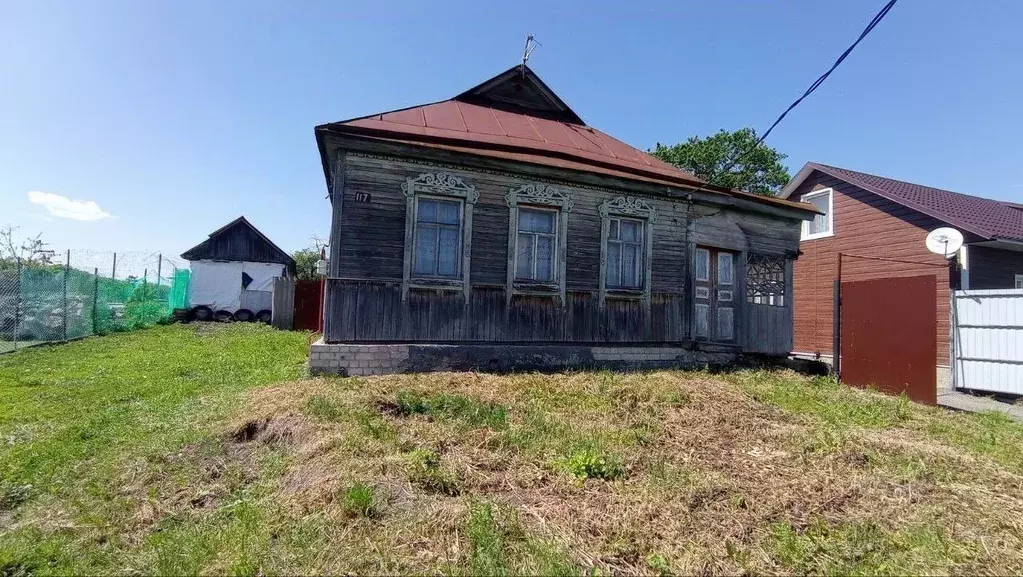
(624, 293)
(436, 284)
(524, 287)
(816, 236)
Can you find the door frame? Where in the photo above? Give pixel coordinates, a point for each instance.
(738, 293)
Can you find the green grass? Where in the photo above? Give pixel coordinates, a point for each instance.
(192, 449)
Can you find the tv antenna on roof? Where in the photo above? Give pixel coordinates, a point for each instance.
(531, 45)
(945, 241)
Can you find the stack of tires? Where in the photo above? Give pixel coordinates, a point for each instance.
(204, 313)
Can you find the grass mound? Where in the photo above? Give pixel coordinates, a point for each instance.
(220, 459)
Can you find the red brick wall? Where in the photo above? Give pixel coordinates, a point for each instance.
(864, 224)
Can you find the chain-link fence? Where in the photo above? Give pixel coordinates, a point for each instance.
(89, 293)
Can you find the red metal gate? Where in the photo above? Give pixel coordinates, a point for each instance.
(889, 336)
(308, 304)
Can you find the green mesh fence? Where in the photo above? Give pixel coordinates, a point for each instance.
(51, 303)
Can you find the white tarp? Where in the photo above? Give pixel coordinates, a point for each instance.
(262, 274)
(218, 284)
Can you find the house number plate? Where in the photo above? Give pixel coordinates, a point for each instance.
(362, 197)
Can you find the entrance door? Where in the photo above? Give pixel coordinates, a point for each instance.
(714, 295)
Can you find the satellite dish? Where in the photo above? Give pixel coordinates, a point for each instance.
(945, 241)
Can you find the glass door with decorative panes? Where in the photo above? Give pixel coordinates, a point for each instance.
(714, 295)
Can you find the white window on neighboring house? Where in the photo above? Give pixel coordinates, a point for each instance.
(822, 225)
(1019, 281)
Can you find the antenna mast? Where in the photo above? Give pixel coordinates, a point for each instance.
(531, 45)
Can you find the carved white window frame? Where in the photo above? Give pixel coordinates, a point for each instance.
(443, 186)
(543, 197)
(634, 208)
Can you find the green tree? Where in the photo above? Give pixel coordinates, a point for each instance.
(305, 263)
(730, 159)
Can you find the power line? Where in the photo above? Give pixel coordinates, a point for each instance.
(813, 87)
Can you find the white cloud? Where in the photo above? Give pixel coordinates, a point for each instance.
(64, 207)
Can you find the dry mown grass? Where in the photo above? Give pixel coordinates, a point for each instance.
(623, 473)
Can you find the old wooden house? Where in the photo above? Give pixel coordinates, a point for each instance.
(498, 230)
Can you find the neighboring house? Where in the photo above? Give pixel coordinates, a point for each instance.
(873, 216)
(232, 273)
(499, 223)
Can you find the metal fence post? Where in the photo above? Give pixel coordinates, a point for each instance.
(17, 305)
(67, 267)
(95, 297)
(159, 271)
(113, 271)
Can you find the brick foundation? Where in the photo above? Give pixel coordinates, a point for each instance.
(366, 359)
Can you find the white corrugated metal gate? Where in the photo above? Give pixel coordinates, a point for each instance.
(987, 340)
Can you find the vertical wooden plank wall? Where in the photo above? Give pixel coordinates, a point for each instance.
(364, 294)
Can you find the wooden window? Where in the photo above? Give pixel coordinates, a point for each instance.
(626, 239)
(438, 232)
(822, 225)
(702, 264)
(1019, 281)
(537, 234)
(625, 254)
(765, 280)
(536, 245)
(438, 238)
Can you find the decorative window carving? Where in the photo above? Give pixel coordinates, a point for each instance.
(537, 232)
(626, 245)
(765, 280)
(438, 231)
(628, 206)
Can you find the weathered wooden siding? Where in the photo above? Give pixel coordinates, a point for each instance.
(237, 243)
(993, 268)
(868, 225)
(364, 296)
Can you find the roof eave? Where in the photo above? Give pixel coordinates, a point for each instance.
(810, 167)
(800, 210)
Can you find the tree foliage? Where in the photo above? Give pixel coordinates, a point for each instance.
(306, 258)
(305, 263)
(757, 168)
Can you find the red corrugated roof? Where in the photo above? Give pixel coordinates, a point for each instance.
(539, 129)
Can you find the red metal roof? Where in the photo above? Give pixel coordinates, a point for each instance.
(475, 124)
(984, 217)
(517, 117)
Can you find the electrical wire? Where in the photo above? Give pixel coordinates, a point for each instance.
(813, 87)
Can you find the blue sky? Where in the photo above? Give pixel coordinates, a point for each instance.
(175, 117)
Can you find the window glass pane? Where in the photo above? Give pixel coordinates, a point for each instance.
(614, 263)
(629, 264)
(427, 210)
(702, 264)
(702, 320)
(819, 224)
(612, 231)
(726, 274)
(447, 257)
(426, 250)
(725, 324)
(524, 258)
(630, 230)
(447, 212)
(536, 220)
(545, 258)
